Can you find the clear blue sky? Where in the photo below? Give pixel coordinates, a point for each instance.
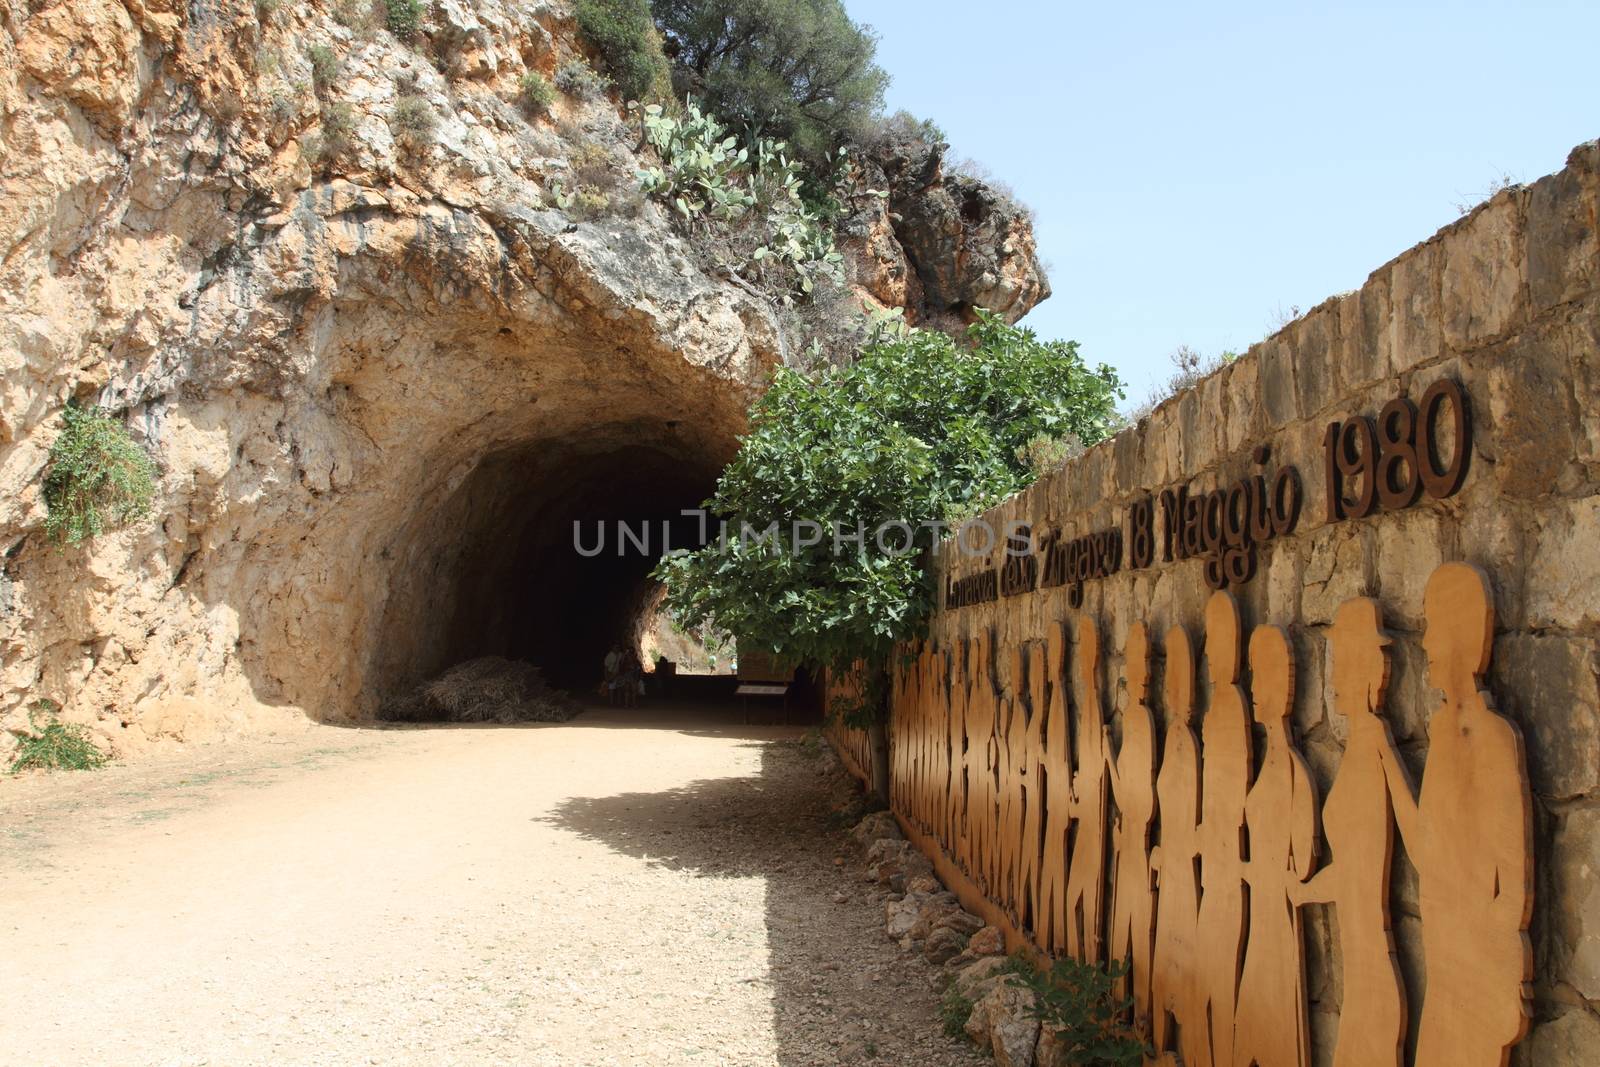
(1197, 167)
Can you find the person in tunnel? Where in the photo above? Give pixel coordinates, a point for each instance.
(622, 677)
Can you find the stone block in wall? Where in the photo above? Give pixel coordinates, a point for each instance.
(1574, 900)
(1411, 545)
(1563, 252)
(1569, 1040)
(1281, 578)
(1324, 967)
(1529, 428)
(1127, 450)
(1480, 279)
(1414, 308)
(1564, 586)
(1491, 534)
(1411, 697)
(1316, 347)
(1335, 571)
(1550, 685)
(1242, 419)
(1361, 357)
(1275, 371)
(1581, 337)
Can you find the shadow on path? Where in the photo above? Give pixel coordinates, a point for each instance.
(841, 991)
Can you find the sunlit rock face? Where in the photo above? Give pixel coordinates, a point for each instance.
(378, 382)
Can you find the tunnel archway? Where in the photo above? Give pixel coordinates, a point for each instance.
(542, 552)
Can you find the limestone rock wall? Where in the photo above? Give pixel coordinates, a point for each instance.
(328, 354)
(1507, 302)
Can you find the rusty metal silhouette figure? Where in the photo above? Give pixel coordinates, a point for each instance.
(1270, 1024)
(1468, 833)
(1133, 774)
(1175, 989)
(1356, 823)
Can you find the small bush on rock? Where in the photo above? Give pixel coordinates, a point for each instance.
(97, 479)
(1079, 1002)
(954, 1011)
(324, 67)
(337, 141)
(359, 16)
(403, 17)
(535, 93)
(53, 745)
(413, 122)
(577, 78)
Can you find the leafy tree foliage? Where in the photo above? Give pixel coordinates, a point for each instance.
(625, 35)
(799, 70)
(918, 430)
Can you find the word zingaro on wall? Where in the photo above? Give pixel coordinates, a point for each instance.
(1190, 855)
(1369, 463)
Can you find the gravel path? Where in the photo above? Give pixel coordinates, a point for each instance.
(630, 888)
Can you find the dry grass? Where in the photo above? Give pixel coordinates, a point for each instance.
(490, 689)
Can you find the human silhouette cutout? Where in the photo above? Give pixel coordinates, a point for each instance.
(1225, 740)
(1356, 824)
(1468, 834)
(1175, 990)
(1086, 875)
(1133, 774)
(1051, 925)
(1271, 1028)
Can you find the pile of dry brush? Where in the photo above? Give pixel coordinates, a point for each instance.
(491, 689)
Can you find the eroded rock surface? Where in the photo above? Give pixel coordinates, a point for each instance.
(363, 372)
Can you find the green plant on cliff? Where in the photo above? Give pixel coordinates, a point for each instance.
(1079, 1001)
(97, 479)
(625, 35)
(53, 745)
(403, 17)
(324, 67)
(919, 430)
(749, 204)
(535, 93)
(797, 70)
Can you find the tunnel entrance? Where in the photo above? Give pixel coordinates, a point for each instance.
(541, 552)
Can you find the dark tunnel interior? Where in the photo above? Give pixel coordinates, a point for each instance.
(506, 572)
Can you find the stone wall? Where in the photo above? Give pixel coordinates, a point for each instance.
(1505, 302)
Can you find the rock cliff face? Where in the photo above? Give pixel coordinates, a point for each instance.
(379, 373)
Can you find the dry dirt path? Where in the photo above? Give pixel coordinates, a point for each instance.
(629, 888)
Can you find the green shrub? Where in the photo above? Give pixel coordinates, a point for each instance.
(625, 35)
(265, 9)
(1046, 452)
(903, 126)
(53, 745)
(403, 17)
(797, 70)
(413, 122)
(535, 93)
(954, 1011)
(336, 142)
(1079, 1002)
(577, 78)
(98, 477)
(324, 67)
